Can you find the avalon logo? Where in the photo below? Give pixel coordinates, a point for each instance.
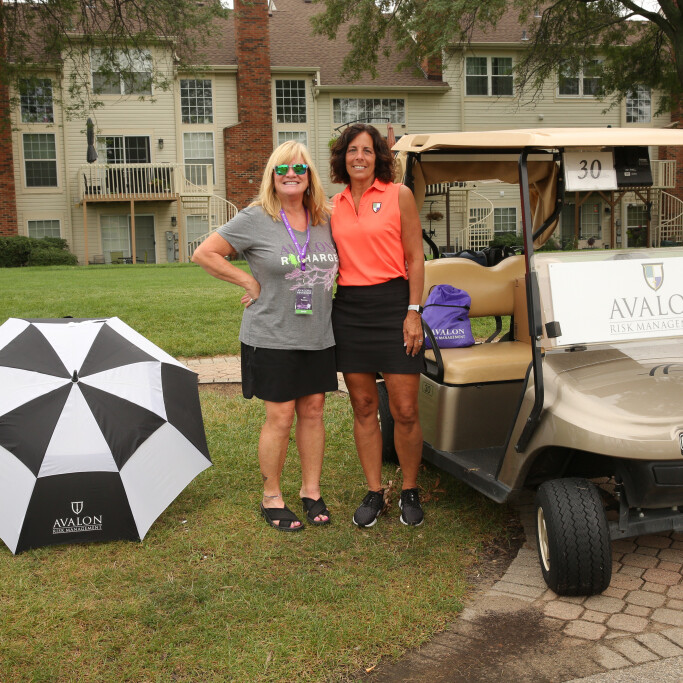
(654, 275)
(77, 524)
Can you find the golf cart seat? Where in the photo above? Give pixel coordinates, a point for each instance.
(495, 291)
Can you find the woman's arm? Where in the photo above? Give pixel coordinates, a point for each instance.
(411, 236)
(211, 256)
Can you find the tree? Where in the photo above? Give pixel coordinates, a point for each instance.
(44, 35)
(633, 45)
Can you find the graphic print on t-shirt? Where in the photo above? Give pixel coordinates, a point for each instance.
(321, 266)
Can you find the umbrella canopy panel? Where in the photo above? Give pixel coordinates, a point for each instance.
(99, 431)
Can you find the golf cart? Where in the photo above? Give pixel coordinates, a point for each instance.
(581, 398)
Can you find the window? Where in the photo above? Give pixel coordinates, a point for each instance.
(387, 110)
(298, 135)
(44, 228)
(582, 83)
(488, 76)
(290, 101)
(124, 149)
(198, 150)
(36, 100)
(121, 72)
(505, 220)
(638, 105)
(591, 220)
(196, 101)
(40, 159)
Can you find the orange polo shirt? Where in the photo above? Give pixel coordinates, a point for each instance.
(369, 242)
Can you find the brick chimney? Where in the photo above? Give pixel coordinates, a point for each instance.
(8, 196)
(248, 144)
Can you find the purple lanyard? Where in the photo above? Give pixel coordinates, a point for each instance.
(301, 252)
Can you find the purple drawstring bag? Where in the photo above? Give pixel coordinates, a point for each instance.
(446, 311)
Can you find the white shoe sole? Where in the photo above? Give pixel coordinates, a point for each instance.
(365, 526)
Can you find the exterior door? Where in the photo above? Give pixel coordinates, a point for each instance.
(145, 244)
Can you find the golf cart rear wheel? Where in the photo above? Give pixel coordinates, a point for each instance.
(386, 423)
(573, 537)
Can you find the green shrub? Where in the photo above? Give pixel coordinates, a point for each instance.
(14, 251)
(18, 251)
(40, 256)
(507, 239)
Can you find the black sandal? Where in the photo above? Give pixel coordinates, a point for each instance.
(316, 508)
(284, 516)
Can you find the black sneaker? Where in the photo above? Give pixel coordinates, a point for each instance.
(370, 509)
(411, 510)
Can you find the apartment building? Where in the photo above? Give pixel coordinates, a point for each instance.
(174, 164)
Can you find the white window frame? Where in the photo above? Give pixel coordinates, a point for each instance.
(196, 101)
(289, 108)
(637, 109)
(28, 160)
(489, 75)
(506, 215)
(200, 160)
(347, 109)
(138, 62)
(36, 94)
(581, 79)
(43, 221)
(298, 135)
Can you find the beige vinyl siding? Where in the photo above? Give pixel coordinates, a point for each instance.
(435, 112)
(127, 116)
(41, 203)
(224, 115)
(549, 109)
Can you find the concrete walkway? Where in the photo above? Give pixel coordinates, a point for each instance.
(517, 629)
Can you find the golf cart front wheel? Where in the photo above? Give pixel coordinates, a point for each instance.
(573, 537)
(386, 423)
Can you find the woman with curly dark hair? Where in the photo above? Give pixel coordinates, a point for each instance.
(376, 311)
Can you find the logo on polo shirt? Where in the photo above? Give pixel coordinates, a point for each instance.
(376, 206)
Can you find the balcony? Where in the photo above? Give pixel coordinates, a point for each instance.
(143, 182)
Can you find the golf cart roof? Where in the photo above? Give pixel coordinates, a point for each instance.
(540, 138)
(494, 155)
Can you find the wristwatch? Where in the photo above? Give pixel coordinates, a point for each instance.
(415, 307)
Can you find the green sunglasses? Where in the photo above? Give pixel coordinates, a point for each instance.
(299, 169)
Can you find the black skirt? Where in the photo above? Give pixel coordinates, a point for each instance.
(280, 375)
(368, 329)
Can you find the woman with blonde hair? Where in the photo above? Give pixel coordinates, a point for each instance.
(286, 333)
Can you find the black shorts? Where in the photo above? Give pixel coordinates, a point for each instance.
(281, 375)
(368, 329)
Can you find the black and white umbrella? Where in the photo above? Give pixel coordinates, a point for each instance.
(100, 430)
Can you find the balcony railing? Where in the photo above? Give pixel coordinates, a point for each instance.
(149, 182)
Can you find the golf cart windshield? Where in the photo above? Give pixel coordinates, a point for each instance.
(594, 294)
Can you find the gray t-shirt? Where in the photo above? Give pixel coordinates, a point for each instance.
(271, 322)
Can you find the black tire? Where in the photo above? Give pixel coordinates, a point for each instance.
(386, 423)
(572, 537)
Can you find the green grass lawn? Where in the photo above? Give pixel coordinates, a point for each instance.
(177, 306)
(213, 593)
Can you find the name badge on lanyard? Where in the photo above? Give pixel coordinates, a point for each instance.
(303, 300)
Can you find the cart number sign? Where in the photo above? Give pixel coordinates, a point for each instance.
(617, 300)
(589, 171)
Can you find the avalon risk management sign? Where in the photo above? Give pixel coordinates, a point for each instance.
(617, 300)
